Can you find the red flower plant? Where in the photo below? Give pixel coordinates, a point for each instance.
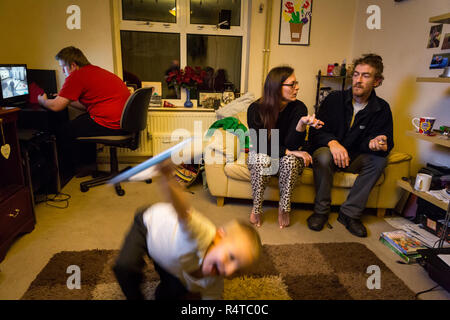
(187, 78)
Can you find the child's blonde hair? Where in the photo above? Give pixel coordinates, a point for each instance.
(237, 226)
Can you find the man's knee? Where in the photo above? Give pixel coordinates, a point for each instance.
(375, 162)
(322, 158)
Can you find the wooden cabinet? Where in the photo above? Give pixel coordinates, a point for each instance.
(16, 213)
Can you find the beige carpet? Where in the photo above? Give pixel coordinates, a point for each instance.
(320, 271)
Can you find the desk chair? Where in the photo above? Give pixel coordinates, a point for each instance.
(133, 120)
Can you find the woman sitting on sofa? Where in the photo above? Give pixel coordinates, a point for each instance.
(277, 123)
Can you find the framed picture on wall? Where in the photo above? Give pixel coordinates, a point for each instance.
(295, 22)
(156, 86)
(209, 100)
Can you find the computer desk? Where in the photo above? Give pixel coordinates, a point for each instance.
(35, 117)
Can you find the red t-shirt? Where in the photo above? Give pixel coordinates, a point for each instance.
(103, 93)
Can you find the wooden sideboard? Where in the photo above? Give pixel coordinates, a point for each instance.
(16, 212)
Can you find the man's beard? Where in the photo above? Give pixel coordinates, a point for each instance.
(360, 93)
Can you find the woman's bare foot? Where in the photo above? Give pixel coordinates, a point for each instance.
(283, 218)
(255, 219)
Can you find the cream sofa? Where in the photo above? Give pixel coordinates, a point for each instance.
(228, 177)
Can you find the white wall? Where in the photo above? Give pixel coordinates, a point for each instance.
(331, 39)
(402, 43)
(33, 31)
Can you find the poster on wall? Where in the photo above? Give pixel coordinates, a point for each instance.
(295, 22)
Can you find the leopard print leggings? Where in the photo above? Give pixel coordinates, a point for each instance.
(262, 167)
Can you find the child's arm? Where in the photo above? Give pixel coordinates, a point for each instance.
(173, 192)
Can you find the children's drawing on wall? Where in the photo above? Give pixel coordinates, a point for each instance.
(295, 22)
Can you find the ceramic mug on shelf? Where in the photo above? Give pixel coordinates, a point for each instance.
(423, 182)
(424, 125)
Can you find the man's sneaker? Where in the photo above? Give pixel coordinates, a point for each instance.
(355, 226)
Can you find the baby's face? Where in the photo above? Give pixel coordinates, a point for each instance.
(227, 256)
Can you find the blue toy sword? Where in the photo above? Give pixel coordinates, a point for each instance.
(149, 163)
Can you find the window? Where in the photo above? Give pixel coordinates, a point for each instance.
(157, 36)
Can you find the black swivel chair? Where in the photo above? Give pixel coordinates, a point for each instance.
(133, 120)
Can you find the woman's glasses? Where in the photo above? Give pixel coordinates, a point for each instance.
(292, 85)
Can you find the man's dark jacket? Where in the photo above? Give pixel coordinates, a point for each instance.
(336, 112)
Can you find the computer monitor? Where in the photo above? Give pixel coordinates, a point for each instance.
(14, 84)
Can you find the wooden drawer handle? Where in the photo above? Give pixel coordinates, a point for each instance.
(15, 214)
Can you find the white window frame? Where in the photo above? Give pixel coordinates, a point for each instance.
(183, 27)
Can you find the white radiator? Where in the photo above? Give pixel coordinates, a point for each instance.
(160, 126)
(167, 121)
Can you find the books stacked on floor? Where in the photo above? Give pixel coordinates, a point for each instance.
(402, 244)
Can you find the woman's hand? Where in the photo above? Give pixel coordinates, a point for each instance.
(308, 121)
(307, 159)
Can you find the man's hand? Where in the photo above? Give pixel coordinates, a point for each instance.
(378, 143)
(307, 159)
(340, 154)
(42, 98)
(308, 121)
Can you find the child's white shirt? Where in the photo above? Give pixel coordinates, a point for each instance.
(180, 249)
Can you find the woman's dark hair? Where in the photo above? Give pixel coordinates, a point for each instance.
(270, 102)
(72, 55)
(373, 60)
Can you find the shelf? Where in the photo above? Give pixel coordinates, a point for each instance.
(437, 139)
(182, 109)
(428, 197)
(443, 18)
(433, 79)
(335, 77)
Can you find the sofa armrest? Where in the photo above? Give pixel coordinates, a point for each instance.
(398, 166)
(215, 172)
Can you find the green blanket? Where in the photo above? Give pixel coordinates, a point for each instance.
(234, 126)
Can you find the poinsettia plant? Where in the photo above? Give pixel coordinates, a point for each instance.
(187, 78)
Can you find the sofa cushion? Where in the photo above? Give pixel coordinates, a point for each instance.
(225, 143)
(238, 170)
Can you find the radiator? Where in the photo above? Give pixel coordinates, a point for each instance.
(160, 127)
(167, 121)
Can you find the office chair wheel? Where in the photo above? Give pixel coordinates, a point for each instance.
(84, 188)
(148, 181)
(119, 190)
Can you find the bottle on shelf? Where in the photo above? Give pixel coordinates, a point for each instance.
(343, 68)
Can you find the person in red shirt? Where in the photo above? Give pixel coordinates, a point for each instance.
(90, 88)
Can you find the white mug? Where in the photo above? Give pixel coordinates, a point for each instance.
(423, 182)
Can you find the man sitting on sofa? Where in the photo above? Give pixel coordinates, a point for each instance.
(357, 137)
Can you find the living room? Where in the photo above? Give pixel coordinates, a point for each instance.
(398, 31)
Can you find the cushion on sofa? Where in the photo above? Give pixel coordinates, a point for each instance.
(225, 143)
(239, 105)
